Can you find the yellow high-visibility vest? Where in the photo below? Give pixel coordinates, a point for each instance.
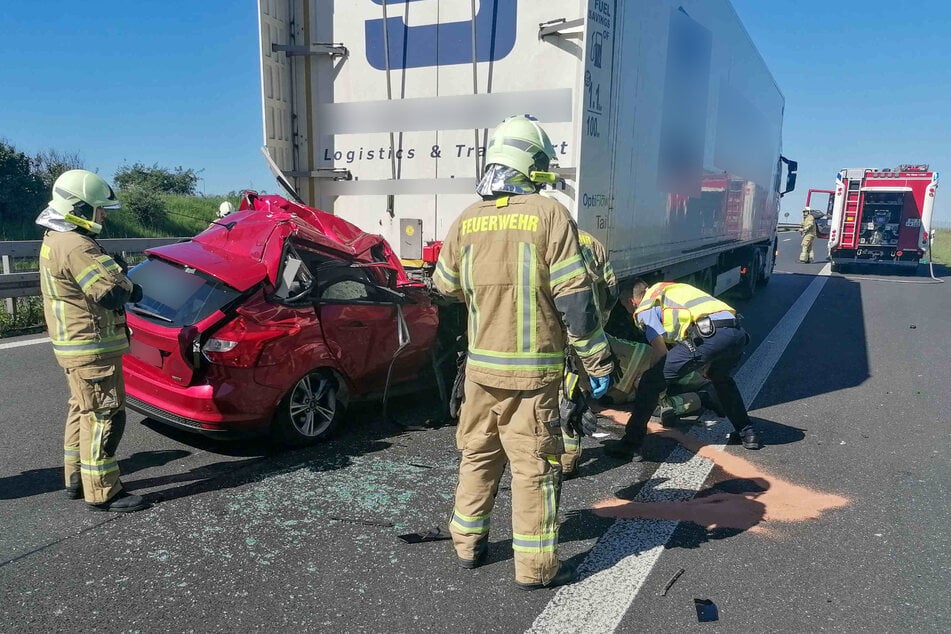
(681, 305)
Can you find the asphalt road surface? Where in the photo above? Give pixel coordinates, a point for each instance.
(839, 524)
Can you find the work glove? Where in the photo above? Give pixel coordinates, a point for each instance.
(458, 394)
(600, 385)
(589, 422)
(567, 412)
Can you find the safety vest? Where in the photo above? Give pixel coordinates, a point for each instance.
(75, 274)
(681, 305)
(517, 264)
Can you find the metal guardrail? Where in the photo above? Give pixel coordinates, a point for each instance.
(27, 283)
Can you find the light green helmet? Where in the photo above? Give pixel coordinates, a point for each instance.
(520, 143)
(77, 193)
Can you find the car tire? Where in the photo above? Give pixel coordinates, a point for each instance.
(311, 410)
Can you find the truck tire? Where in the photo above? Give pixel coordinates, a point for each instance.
(747, 288)
(835, 267)
(771, 259)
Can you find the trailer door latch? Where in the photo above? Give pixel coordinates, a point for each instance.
(334, 50)
(559, 26)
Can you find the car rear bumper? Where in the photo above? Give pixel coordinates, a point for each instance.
(187, 424)
(229, 407)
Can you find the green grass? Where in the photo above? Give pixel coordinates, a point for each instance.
(941, 246)
(186, 216)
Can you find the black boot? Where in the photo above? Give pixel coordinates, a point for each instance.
(564, 576)
(481, 554)
(74, 490)
(122, 502)
(749, 438)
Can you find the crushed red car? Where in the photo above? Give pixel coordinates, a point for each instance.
(275, 318)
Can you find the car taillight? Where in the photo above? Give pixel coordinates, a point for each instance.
(240, 343)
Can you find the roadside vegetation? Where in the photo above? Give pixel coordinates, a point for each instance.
(156, 202)
(941, 246)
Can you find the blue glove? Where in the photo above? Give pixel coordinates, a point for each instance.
(600, 385)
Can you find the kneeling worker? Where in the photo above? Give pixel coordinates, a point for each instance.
(702, 331)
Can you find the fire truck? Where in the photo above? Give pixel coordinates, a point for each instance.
(882, 216)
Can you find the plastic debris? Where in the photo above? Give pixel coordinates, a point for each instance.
(672, 581)
(706, 610)
(432, 535)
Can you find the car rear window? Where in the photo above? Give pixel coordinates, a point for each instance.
(177, 295)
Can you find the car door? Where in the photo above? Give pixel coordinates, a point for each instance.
(359, 328)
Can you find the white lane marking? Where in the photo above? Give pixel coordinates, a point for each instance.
(786, 239)
(617, 566)
(28, 342)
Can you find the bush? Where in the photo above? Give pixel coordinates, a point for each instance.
(27, 315)
(146, 206)
(160, 179)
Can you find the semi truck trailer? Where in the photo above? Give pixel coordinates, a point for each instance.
(666, 120)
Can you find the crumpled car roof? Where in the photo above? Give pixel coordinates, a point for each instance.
(247, 245)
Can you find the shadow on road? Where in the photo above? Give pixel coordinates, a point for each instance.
(48, 479)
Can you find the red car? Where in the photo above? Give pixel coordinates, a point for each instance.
(274, 318)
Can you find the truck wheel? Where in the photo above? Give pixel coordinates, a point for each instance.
(764, 279)
(835, 267)
(311, 411)
(747, 288)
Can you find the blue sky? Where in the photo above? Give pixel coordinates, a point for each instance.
(177, 83)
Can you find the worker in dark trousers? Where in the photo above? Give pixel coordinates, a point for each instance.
(700, 332)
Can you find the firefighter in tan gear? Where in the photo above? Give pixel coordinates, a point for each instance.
(84, 293)
(809, 231)
(514, 259)
(605, 290)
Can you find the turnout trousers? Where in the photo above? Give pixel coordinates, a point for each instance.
(522, 428)
(807, 254)
(95, 423)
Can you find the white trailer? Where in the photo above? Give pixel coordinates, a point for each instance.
(666, 120)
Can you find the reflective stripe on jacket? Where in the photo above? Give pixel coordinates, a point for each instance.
(517, 264)
(681, 305)
(75, 276)
(599, 267)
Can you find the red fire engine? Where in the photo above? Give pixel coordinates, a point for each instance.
(882, 216)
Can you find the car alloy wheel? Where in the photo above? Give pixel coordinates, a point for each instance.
(311, 410)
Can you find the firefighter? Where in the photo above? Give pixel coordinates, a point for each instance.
(515, 260)
(605, 289)
(808, 230)
(84, 293)
(702, 332)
